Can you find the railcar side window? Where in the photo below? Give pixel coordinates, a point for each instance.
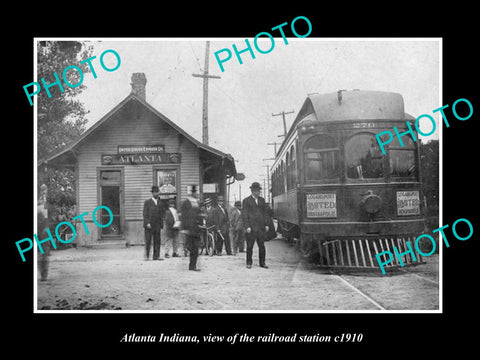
(321, 158)
(403, 161)
(287, 170)
(363, 157)
(293, 164)
(291, 169)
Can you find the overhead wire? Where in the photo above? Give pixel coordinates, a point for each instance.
(331, 64)
(237, 103)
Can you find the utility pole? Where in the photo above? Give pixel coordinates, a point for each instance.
(268, 183)
(283, 113)
(265, 190)
(205, 77)
(274, 147)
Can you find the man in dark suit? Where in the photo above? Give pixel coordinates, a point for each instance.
(153, 223)
(255, 221)
(221, 222)
(191, 218)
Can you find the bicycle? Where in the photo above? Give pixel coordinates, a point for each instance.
(65, 233)
(207, 240)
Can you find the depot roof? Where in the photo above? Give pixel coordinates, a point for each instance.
(65, 155)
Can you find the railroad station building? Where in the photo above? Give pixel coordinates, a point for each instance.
(118, 159)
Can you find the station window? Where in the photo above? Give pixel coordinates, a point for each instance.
(321, 158)
(403, 158)
(363, 157)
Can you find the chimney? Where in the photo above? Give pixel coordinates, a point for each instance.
(138, 83)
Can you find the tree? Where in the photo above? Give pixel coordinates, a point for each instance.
(61, 118)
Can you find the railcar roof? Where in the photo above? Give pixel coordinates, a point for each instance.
(355, 105)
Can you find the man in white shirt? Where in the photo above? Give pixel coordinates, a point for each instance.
(236, 228)
(172, 227)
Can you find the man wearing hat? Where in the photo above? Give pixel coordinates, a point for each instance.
(236, 228)
(172, 227)
(221, 222)
(207, 214)
(191, 218)
(208, 210)
(255, 220)
(153, 223)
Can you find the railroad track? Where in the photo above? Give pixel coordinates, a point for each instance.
(373, 298)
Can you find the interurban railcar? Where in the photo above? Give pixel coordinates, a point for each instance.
(333, 190)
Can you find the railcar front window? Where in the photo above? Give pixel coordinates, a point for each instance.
(403, 158)
(363, 157)
(321, 158)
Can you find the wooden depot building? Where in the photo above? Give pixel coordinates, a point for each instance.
(118, 159)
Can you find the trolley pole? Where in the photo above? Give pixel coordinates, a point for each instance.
(283, 113)
(205, 77)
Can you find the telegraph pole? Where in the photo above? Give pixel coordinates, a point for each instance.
(268, 183)
(205, 77)
(283, 113)
(274, 147)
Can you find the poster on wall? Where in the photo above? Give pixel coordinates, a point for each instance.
(167, 181)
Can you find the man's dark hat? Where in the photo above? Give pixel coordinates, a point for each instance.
(256, 185)
(155, 189)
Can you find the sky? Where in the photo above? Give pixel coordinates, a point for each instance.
(242, 101)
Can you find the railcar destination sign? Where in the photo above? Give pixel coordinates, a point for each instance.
(321, 205)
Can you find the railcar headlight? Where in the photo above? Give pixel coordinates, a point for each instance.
(371, 202)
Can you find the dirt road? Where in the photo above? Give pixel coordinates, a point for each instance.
(119, 279)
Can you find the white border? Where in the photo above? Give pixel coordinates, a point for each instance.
(35, 174)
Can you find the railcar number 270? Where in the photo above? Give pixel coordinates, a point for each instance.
(359, 125)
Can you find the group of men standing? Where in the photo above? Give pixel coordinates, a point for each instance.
(154, 216)
(218, 217)
(248, 220)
